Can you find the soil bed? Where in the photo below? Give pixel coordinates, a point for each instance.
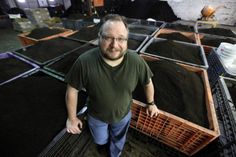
(47, 50)
(39, 33)
(177, 91)
(174, 50)
(12, 67)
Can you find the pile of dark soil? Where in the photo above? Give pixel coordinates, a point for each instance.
(215, 42)
(133, 44)
(218, 31)
(39, 33)
(140, 30)
(180, 27)
(177, 91)
(12, 67)
(47, 50)
(32, 114)
(175, 36)
(63, 65)
(174, 50)
(86, 33)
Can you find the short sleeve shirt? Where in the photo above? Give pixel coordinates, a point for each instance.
(109, 88)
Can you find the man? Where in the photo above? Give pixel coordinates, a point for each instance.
(109, 74)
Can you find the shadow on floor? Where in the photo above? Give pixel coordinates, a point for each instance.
(9, 40)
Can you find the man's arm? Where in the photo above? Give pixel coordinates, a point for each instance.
(149, 92)
(73, 124)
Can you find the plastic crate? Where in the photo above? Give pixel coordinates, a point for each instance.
(25, 41)
(217, 68)
(62, 66)
(75, 24)
(204, 63)
(180, 26)
(211, 41)
(226, 115)
(14, 71)
(135, 38)
(158, 24)
(57, 47)
(227, 31)
(142, 29)
(85, 34)
(190, 35)
(176, 132)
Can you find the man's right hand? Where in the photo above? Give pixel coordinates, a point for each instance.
(74, 126)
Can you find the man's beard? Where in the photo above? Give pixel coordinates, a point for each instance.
(105, 55)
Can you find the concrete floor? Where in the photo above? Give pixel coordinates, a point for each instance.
(9, 40)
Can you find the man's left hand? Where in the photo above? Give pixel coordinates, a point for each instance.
(152, 110)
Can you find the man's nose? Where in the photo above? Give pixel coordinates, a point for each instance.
(114, 42)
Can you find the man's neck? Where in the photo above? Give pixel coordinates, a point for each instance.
(113, 63)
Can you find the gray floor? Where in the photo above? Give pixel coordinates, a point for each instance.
(9, 40)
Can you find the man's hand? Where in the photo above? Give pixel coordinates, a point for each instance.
(152, 110)
(74, 126)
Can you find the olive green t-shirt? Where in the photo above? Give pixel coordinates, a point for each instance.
(109, 88)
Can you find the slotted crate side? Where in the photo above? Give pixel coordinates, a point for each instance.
(69, 145)
(225, 115)
(216, 68)
(171, 130)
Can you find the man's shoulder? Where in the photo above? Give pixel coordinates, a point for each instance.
(133, 55)
(89, 54)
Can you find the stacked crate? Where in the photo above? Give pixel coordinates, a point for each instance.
(22, 25)
(37, 16)
(163, 55)
(217, 68)
(211, 37)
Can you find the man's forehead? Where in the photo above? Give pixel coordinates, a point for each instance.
(114, 24)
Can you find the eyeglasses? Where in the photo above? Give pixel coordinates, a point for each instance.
(111, 39)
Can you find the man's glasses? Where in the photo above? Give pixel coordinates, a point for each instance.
(111, 39)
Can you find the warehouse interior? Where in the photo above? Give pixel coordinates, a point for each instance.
(190, 47)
